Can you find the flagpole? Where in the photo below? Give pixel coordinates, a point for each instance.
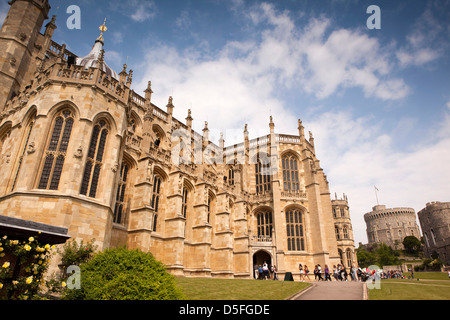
(376, 195)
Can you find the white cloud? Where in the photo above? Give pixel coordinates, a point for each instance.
(243, 77)
(141, 10)
(421, 47)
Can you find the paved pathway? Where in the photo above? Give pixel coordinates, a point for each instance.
(335, 290)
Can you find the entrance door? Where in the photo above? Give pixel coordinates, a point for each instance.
(259, 258)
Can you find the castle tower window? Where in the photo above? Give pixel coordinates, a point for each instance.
(294, 230)
(290, 173)
(345, 232)
(262, 170)
(433, 236)
(156, 195)
(55, 154)
(120, 209)
(264, 224)
(94, 160)
(336, 230)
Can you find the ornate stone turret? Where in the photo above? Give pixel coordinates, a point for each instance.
(17, 40)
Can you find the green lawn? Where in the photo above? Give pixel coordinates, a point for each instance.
(237, 289)
(430, 286)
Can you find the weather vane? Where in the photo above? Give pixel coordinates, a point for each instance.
(103, 29)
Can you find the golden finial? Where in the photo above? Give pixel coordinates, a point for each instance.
(103, 29)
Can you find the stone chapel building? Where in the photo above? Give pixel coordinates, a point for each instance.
(79, 149)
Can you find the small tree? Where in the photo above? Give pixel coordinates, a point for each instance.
(72, 254)
(412, 244)
(121, 274)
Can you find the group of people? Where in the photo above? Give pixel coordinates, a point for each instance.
(266, 272)
(339, 273)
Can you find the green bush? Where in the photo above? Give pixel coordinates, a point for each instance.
(121, 274)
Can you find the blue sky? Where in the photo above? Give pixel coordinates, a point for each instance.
(377, 101)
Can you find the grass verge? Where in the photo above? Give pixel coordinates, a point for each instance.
(238, 289)
(430, 286)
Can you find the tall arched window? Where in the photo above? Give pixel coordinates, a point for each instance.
(185, 202)
(156, 196)
(262, 171)
(349, 258)
(264, 224)
(294, 230)
(290, 173)
(231, 176)
(23, 148)
(56, 150)
(120, 207)
(94, 160)
(209, 209)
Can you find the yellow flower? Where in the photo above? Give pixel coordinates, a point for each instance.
(1, 285)
(29, 279)
(27, 247)
(6, 265)
(15, 282)
(63, 284)
(1, 249)
(47, 246)
(31, 239)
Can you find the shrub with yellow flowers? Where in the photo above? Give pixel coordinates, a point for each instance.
(23, 264)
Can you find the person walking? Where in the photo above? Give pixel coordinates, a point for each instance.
(319, 272)
(275, 273)
(307, 272)
(327, 273)
(302, 272)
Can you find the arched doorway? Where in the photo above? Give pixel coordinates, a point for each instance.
(259, 257)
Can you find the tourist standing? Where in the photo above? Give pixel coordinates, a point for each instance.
(265, 270)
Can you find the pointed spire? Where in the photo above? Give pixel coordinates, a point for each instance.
(123, 75)
(205, 135)
(271, 124)
(130, 78)
(221, 141)
(148, 92)
(189, 119)
(170, 106)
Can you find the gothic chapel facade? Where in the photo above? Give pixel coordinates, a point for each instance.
(79, 149)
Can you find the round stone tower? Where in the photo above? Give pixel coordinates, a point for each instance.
(391, 226)
(435, 223)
